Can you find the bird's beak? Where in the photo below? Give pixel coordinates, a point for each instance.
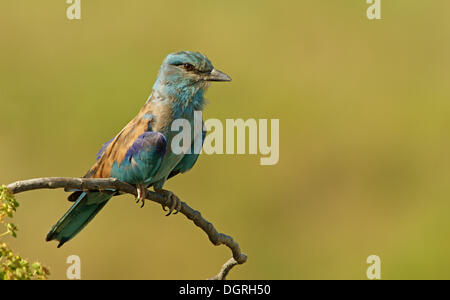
(216, 75)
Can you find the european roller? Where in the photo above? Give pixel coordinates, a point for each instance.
(141, 153)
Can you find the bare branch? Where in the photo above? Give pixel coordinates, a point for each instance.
(111, 183)
(225, 270)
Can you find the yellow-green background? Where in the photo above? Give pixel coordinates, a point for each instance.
(364, 124)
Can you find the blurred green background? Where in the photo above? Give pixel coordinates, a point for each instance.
(364, 122)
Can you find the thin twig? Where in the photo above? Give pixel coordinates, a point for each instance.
(225, 269)
(111, 183)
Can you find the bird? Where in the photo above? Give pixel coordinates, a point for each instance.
(141, 154)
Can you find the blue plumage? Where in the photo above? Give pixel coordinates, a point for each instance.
(78, 216)
(188, 160)
(141, 154)
(142, 159)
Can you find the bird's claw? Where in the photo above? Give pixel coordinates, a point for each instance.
(141, 193)
(175, 202)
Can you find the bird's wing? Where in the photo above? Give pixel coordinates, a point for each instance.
(133, 156)
(103, 148)
(142, 160)
(188, 160)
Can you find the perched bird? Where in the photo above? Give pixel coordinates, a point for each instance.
(141, 153)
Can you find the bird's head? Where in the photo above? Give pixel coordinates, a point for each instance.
(187, 72)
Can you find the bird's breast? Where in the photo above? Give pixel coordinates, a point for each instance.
(170, 160)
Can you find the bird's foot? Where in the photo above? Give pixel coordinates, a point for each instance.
(141, 193)
(175, 202)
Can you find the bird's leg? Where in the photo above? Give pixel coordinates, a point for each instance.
(175, 202)
(141, 193)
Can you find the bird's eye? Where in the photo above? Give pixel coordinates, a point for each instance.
(188, 67)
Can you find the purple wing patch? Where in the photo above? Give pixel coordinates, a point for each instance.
(149, 141)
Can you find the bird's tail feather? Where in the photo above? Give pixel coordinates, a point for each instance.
(78, 216)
